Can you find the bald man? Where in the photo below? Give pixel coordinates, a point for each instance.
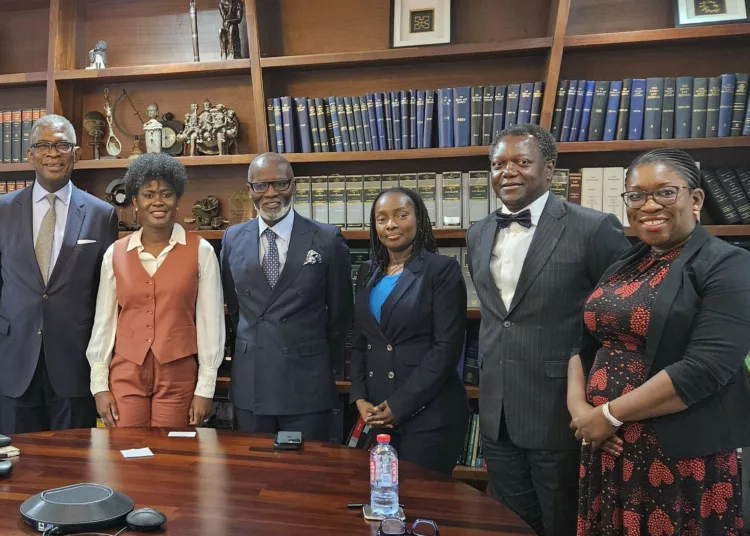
(288, 289)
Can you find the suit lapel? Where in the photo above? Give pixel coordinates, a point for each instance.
(299, 245)
(253, 260)
(407, 279)
(26, 219)
(486, 245)
(371, 283)
(76, 215)
(546, 237)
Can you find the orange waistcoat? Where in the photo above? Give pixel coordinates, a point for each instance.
(157, 313)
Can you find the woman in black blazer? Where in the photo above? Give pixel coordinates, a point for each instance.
(659, 395)
(409, 326)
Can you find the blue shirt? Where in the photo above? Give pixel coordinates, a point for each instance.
(380, 293)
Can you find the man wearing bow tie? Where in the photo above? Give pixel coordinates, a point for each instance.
(533, 263)
(288, 290)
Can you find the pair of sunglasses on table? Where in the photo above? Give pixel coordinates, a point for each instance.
(393, 526)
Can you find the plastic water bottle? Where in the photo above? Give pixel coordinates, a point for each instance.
(384, 477)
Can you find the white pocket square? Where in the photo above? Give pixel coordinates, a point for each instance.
(313, 257)
(86, 241)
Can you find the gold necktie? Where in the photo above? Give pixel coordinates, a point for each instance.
(46, 237)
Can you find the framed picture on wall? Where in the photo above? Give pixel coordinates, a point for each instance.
(701, 12)
(421, 22)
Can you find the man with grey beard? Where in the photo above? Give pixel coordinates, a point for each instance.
(288, 289)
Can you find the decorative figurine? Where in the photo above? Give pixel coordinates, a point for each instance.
(153, 130)
(170, 128)
(136, 152)
(93, 125)
(207, 213)
(213, 132)
(229, 36)
(194, 25)
(98, 56)
(113, 145)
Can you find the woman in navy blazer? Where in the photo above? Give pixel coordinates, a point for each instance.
(409, 326)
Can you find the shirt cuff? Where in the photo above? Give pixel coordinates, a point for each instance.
(99, 377)
(206, 382)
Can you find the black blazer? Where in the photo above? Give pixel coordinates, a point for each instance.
(698, 333)
(410, 357)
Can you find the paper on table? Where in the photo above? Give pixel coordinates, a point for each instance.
(137, 453)
(181, 434)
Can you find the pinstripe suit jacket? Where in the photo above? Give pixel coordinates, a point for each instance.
(524, 350)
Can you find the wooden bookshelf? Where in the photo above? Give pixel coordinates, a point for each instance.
(664, 36)
(188, 161)
(168, 71)
(23, 79)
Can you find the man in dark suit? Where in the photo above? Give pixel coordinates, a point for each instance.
(52, 240)
(533, 263)
(287, 284)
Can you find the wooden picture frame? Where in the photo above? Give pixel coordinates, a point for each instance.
(686, 12)
(421, 23)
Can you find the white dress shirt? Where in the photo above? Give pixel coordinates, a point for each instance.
(510, 249)
(40, 208)
(283, 230)
(209, 313)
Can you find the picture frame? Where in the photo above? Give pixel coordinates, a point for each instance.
(706, 12)
(421, 23)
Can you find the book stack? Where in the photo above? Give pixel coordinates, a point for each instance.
(15, 133)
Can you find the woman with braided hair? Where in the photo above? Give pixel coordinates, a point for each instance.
(410, 318)
(658, 394)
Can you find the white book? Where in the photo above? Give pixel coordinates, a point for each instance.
(355, 208)
(451, 199)
(337, 200)
(592, 188)
(479, 195)
(371, 192)
(613, 186)
(302, 197)
(388, 181)
(408, 180)
(427, 186)
(320, 198)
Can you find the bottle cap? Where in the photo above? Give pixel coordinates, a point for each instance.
(383, 438)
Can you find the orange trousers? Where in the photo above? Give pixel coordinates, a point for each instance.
(153, 394)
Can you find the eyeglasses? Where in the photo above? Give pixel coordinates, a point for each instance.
(45, 147)
(664, 196)
(393, 526)
(279, 186)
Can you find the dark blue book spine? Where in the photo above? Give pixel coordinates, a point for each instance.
(653, 108)
(314, 130)
(279, 128)
(387, 111)
(524, 103)
(373, 120)
(461, 116)
(488, 100)
(637, 106)
(335, 124)
(598, 110)
(420, 119)
(303, 121)
(287, 116)
(575, 125)
(498, 111)
(429, 117)
(396, 118)
(343, 123)
(746, 124)
(559, 112)
(380, 120)
(570, 105)
(728, 82)
(271, 123)
(668, 108)
(405, 121)
(366, 124)
(413, 119)
(740, 99)
(712, 107)
(359, 124)
(683, 107)
(588, 101)
(325, 143)
(613, 106)
(536, 103)
(445, 127)
(351, 125)
(511, 105)
(699, 107)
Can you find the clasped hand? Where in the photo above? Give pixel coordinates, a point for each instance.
(380, 415)
(590, 425)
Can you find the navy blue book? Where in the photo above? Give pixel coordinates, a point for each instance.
(637, 106)
(287, 117)
(667, 108)
(372, 118)
(740, 99)
(335, 124)
(652, 114)
(498, 111)
(271, 126)
(405, 120)
(613, 107)
(570, 104)
(351, 125)
(536, 103)
(588, 101)
(303, 121)
(429, 118)
(726, 102)
(320, 113)
(598, 110)
(575, 125)
(559, 113)
(511, 105)
(314, 130)
(488, 101)
(279, 125)
(445, 112)
(524, 103)
(476, 97)
(396, 118)
(700, 108)
(462, 116)
(380, 122)
(746, 125)
(412, 119)
(622, 113)
(366, 123)
(683, 113)
(388, 113)
(420, 119)
(712, 109)
(349, 145)
(359, 124)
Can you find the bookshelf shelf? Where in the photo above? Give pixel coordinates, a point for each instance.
(407, 55)
(15, 168)
(473, 474)
(121, 163)
(645, 145)
(23, 79)
(169, 71)
(366, 156)
(662, 36)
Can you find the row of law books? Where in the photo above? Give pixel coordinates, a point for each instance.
(395, 120)
(652, 108)
(12, 186)
(15, 133)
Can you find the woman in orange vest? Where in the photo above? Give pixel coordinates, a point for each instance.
(158, 336)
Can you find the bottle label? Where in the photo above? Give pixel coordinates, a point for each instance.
(382, 473)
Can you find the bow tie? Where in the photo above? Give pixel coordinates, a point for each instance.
(522, 218)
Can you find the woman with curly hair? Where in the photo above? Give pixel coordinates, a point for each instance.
(158, 336)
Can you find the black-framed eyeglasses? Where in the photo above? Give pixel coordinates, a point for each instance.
(45, 147)
(393, 526)
(280, 185)
(665, 196)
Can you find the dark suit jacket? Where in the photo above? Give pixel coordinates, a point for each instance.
(410, 357)
(62, 314)
(524, 351)
(288, 338)
(698, 333)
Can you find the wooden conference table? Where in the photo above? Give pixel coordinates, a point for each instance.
(226, 483)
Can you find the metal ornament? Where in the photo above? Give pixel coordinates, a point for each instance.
(231, 12)
(136, 151)
(207, 213)
(93, 124)
(98, 56)
(213, 132)
(194, 25)
(113, 145)
(170, 129)
(153, 130)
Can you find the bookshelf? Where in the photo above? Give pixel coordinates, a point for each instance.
(293, 47)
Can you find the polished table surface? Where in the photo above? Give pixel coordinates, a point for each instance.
(226, 483)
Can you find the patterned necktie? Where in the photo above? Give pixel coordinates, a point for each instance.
(43, 247)
(522, 218)
(271, 265)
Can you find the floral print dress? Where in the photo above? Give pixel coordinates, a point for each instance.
(642, 492)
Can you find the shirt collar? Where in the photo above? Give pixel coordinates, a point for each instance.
(178, 237)
(283, 227)
(536, 208)
(63, 194)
